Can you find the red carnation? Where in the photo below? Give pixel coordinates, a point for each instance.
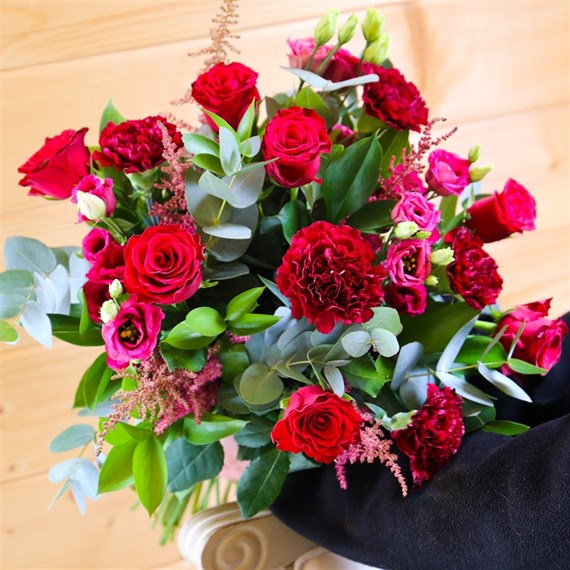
(394, 100)
(434, 434)
(498, 216)
(317, 423)
(135, 146)
(407, 300)
(474, 273)
(226, 90)
(328, 275)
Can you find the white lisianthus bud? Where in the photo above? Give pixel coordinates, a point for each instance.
(476, 174)
(92, 207)
(442, 256)
(372, 25)
(474, 153)
(346, 32)
(326, 27)
(108, 311)
(377, 51)
(405, 230)
(115, 289)
(431, 280)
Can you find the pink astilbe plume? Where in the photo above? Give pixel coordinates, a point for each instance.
(163, 396)
(173, 184)
(373, 446)
(410, 165)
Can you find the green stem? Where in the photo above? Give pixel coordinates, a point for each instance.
(294, 194)
(485, 326)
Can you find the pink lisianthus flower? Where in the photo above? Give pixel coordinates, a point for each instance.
(106, 256)
(132, 334)
(448, 173)
(99, 188)
(408, 263)
(413, 207)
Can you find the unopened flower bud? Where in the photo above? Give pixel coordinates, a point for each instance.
(108, 311)
(377, 51)
(326, 27)
(476, 174)
(347, 30)
(474, 153)
(405, 230)
(423, 234)
(372, 25)
(115, 289)
(431, 281)
(90, 206)
(442, 256)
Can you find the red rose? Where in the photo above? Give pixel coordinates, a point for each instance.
(163, 264)
(95, 295)
(408, 262)
(135, 146)
(394, 100)
(498, 216)
(226, 90)
(317, 423)
(106, 256)
(297, 138)
(342, 66)
(448, 173)
(434, 434)
(541, 340)
(411, 300)
(58, 166)
(473, 274)
(328, 275)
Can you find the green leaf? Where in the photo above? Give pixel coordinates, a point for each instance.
(29, 255)
(243, 303)
(208, 162)
(177, 358)
(503, 383)
(363, 375)
(230, 156)
(67, 329)
(150, 473)
(250, 147)
(206, 321)
(123, 432)
(308, 99)
(234, 361)
(212, 427)
(93, 377)
(261, 482)
(203, 207)
(246, 122)
(185, 337)
(74, 436)
(215, 186)
(473, 349)
(356, 343)
(110, 115)
(349, 180)
(259, 386)
(523, 367)
(476, 421)
(16, 286)
(385, 342)
(117, 470)
(447, 207)
(7, 332)
(221, 123)
(373, 215)
(251, 323)
(401, 420)
(228, 231)
(246, 186)
(505, 427)
(384, 318)
(369, 124)
(257, 433)
(199, 144)
(293, 216)
(392, 142)
(189, 464)
(36, 323)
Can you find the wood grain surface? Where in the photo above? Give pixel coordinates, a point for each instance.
(499, 70)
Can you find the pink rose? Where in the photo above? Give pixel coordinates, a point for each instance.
(498, 216)
(99, 188)
(58, 166)
(448, 173)
(413, 207)
(411, 300)
(132, 334)
(302, 49)
(106, 256)
(408, 263)
(541, 340)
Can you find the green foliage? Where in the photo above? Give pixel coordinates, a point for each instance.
(373, 215)
(150, 472)
(505, 427)
(95, 381)
(110, 115)
(117, 470)
(293, 216)
(259, 386)
(77, 435)
(257, 432)
(243, 303)
(212, 427)
(67, 328)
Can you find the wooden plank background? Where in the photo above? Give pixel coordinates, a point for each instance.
(499, 70)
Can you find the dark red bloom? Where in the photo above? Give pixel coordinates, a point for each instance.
(296, 137)
(498, 216)
(474, 273)
(58, 166)
(106, 256)
(328, 275)
(317, 423)
(95, 295)
(342, 66)
(394, 100)
(163, 264)
(541, 340)
(226, 90)
(135, 146)
(410, 300)
(434, 434)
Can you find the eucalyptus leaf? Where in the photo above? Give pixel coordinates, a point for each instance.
(384, 318)
(16, 288)
(215, 186)
(259, 386)
(384, 342)
(334, 379)
(413, 391)
(228, 231)
(356, 343)
(250, 147)
(503, 383)
(29, 255)
(52, 291)
(230, 156)
(322, 84)
(204, 207)
(410, 355)
(451, 351)
(36, 323)
(77, 435)
(246, 123)
(464, 389)
(245, 187)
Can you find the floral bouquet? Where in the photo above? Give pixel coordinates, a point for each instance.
(303, 272)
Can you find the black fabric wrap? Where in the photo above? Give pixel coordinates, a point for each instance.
(501, 503)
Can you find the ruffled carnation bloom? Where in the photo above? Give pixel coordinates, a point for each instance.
(408, 263)
(540, 343)
(474, 273)
(329, 276)
(135, 146)
(447, 173)
(410, 300)
(58, 166)
(413, 207)
(132, 334)
(296, 137)
(498, 216)
(107, 257)
(226, 90)
(434, 434)
(164, 264)
(317, 423)
(99, 188)
(394, 100)
(95, 295)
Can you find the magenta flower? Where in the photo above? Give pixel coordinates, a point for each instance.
(413, 207)
(408, 262)
(448, 173)
(97, 188)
